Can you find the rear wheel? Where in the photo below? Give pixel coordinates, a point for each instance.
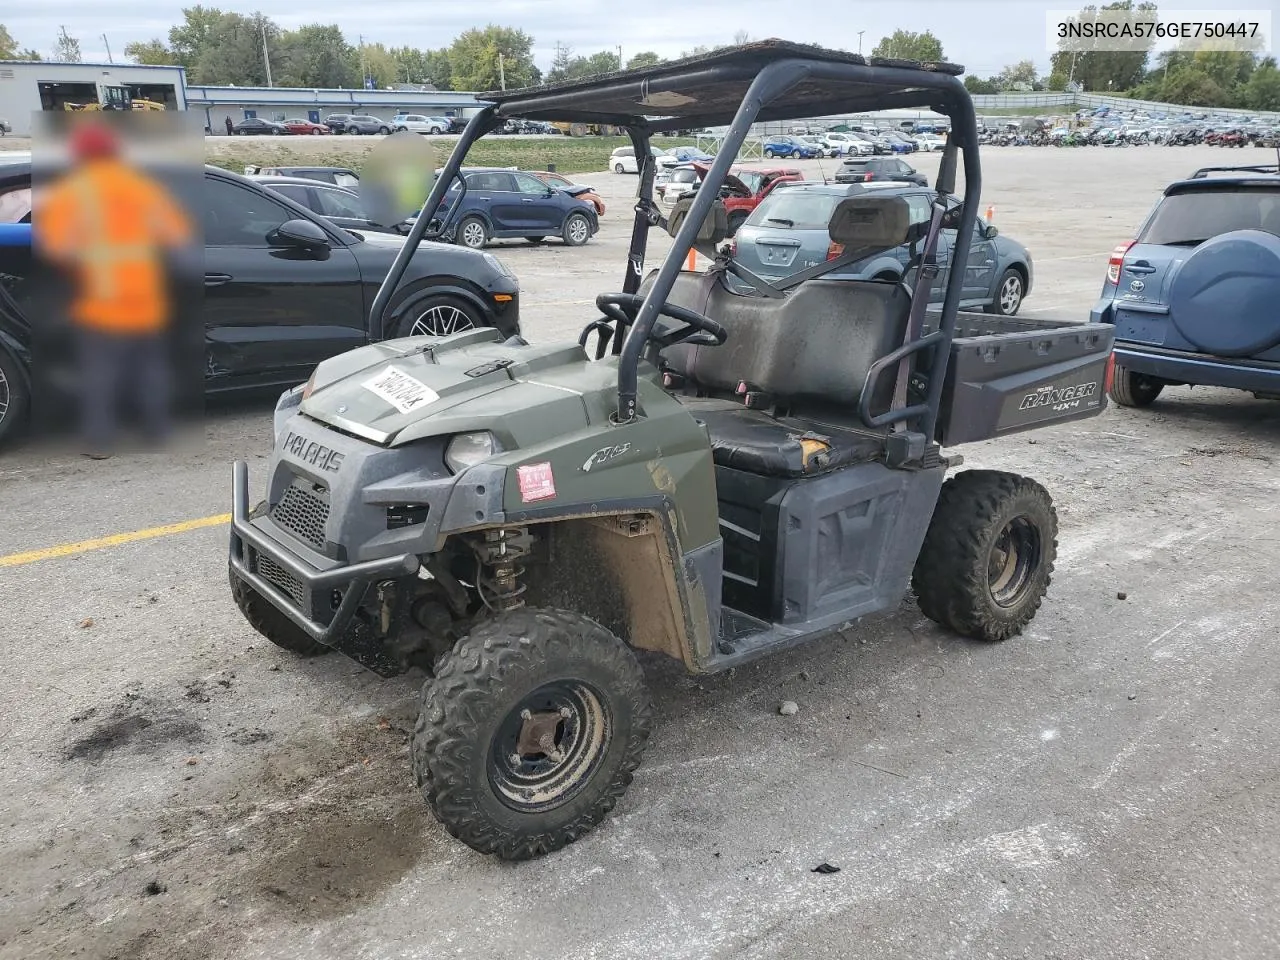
(988, 556)
(1009, 294)
(530, 732)
(353, 130)
(577, 230)
(619, 168)
(1131, 389)
(472, 233)
(440, 316)
(270, 622)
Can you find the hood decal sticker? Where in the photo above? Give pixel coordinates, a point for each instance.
(402, 391)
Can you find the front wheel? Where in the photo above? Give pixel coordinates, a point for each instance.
(530, 732)
(14, 395)
(440, 316)
(383, 130)
(1131, 389)
(316, 132)
(577, 230)
(270, 622)
(1009, 294)
(988, 556)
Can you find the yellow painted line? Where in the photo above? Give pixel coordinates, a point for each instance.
(115, 540)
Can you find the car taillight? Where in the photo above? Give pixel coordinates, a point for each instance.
(868, 177)
(1117, 261)
(834, 250)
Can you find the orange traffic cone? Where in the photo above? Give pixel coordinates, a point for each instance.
(691, 263)
(991, 212)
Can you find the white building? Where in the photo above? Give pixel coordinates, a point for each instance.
(285, 103)
(29, 86)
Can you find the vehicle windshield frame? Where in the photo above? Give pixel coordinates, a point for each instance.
(737, 87)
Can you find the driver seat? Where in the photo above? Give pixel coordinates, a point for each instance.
(779, 398)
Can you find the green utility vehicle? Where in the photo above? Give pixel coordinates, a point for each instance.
(712, 472)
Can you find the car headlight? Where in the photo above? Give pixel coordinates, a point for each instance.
(468, 449)
(309, 385)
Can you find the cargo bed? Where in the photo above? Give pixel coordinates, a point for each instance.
(1009, 374)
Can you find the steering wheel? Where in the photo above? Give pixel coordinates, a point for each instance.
(623, 308)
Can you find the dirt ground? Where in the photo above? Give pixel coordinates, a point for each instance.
(1105, 786)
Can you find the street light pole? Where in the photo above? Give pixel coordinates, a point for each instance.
(266, 59)
(860, 33)
(110, 59)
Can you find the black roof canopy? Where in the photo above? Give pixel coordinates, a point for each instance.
(708, 89)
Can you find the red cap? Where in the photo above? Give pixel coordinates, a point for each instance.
(90, 141)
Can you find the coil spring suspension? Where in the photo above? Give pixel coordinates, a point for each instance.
(499, 553)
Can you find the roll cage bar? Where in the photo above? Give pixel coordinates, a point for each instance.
(769, 80)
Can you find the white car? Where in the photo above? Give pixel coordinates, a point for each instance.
(417, 123)
(929, 141)
(623, 160)
(681, 180)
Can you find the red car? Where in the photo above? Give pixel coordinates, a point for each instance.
(745, 187)
(306, 127)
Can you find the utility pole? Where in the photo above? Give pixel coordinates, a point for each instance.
(364, 70)
(619, 56)
(108, 46)
(266, 58)
(860, 33)
(502, 72)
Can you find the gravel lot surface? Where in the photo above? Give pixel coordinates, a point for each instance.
(1105, 786)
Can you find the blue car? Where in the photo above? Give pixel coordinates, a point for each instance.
(500, 204)
(1193, 297)
(790, 147)
(690, 155)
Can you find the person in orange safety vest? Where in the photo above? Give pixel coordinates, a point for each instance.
(110, 226)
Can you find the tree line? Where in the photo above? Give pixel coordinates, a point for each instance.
(218, 47)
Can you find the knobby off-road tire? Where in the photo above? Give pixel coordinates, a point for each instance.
(1131, 389)
(988, 556)
(271, 623)
(470, 754)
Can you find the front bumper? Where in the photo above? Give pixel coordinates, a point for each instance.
(309, 604)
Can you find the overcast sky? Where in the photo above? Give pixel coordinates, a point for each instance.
(982, 35)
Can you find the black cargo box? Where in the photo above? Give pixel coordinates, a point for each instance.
(1008, 374)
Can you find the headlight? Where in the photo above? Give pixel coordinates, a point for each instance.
(309, 385)
(468, 449)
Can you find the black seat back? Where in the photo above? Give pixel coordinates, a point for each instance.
(811, 349)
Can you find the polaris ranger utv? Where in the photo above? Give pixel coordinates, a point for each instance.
(711, 473)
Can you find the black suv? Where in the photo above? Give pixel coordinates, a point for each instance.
(879, 168)
(283, 289)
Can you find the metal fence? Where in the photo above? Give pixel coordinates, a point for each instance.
(1076, 101)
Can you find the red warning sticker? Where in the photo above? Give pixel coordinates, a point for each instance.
(536, 482)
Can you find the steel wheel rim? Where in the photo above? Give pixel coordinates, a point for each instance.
(578, 230)
(4, 395)
(472, 235)
(441, 320)
(1014, 559)
(1010, 294)
(549, 745)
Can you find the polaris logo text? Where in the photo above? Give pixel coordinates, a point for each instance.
(1056, 396)
(308, 451)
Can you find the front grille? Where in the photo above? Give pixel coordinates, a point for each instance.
(303, 510)
(281, 578)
